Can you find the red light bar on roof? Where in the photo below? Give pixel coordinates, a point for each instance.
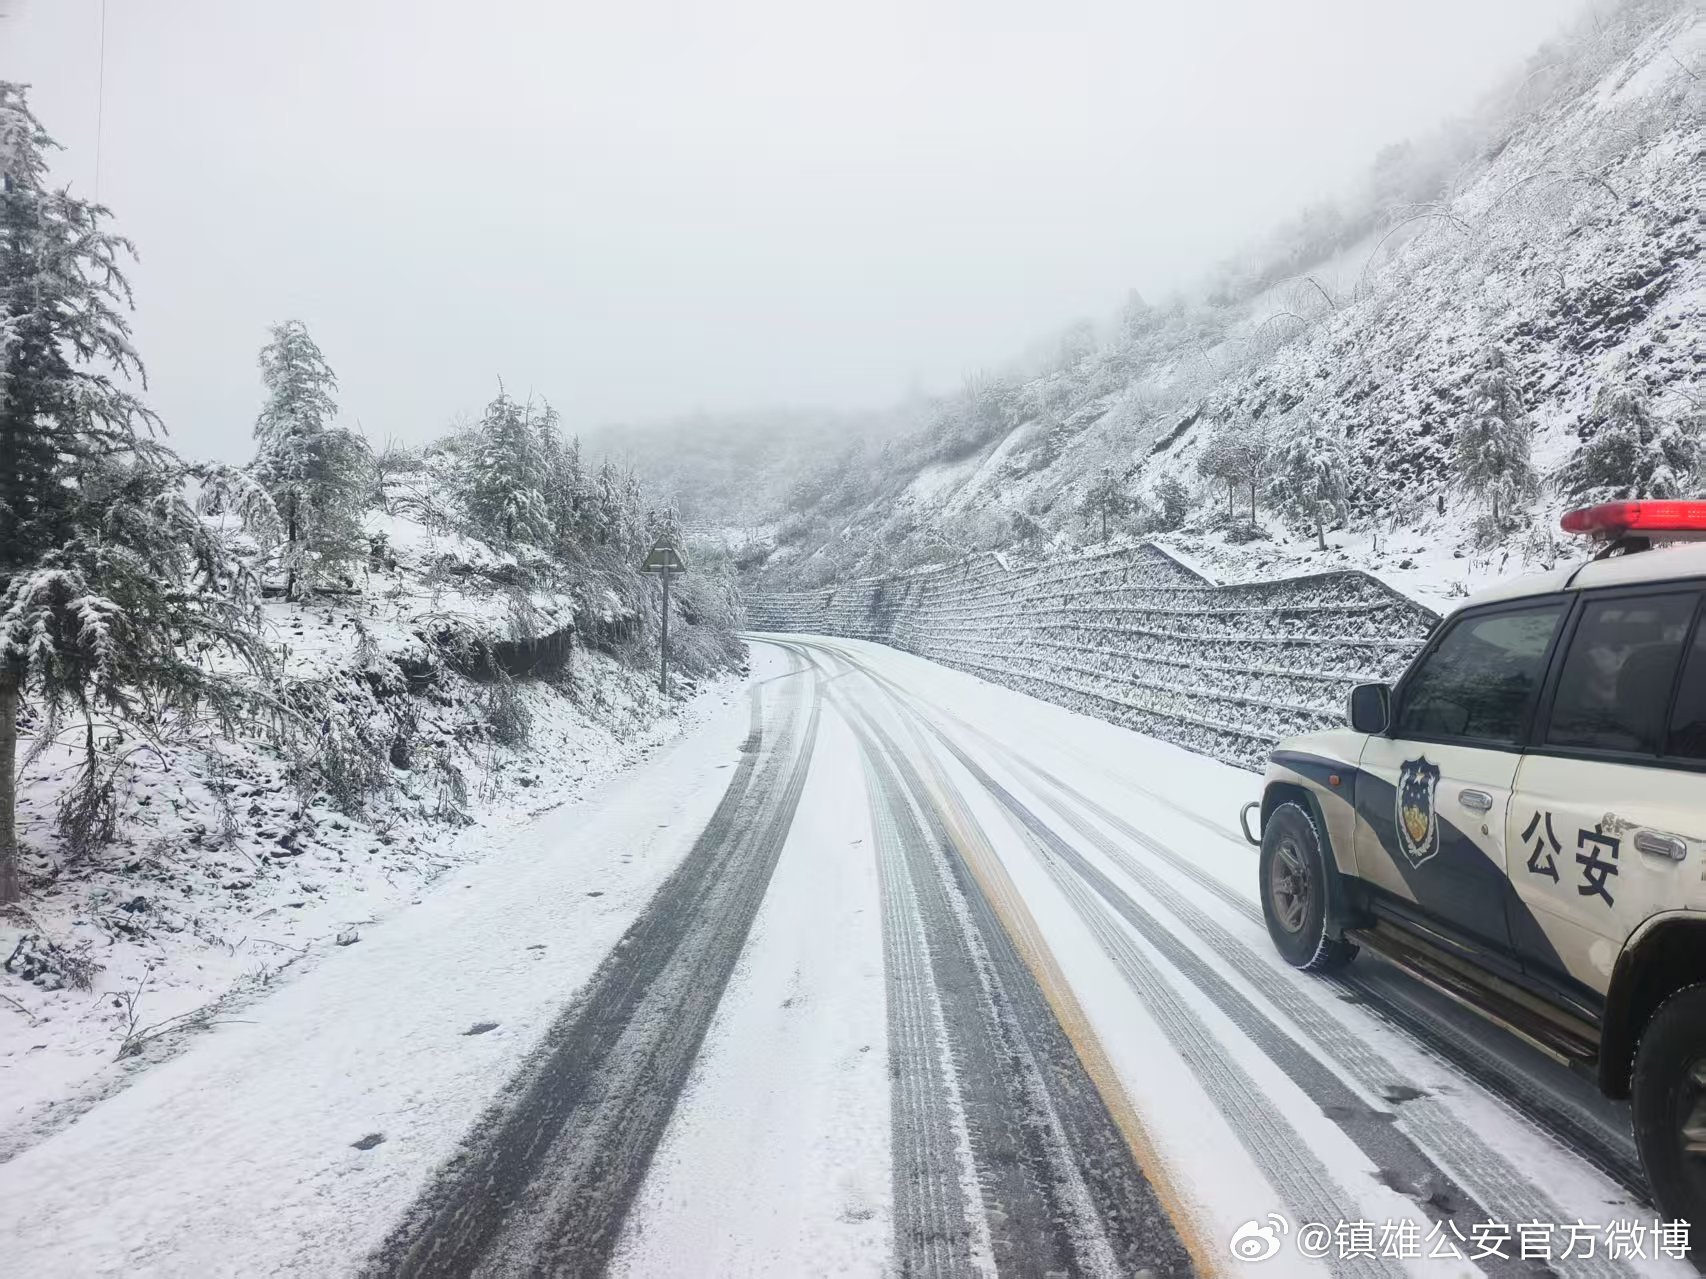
(1667, 521)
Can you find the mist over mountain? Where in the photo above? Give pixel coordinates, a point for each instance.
(1532, 271)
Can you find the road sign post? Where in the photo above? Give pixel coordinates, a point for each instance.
(665, 559)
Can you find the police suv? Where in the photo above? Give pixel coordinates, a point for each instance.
(1521, 823)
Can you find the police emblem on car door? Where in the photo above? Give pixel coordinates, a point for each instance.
(1418, 827)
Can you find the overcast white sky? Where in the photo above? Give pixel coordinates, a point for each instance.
(643, 208)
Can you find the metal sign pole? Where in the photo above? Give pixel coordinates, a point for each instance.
(664, 558)
(663, 644)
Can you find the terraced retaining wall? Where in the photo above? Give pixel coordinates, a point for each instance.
(1134, 636)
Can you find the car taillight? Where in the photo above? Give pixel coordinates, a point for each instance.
(1666, 520)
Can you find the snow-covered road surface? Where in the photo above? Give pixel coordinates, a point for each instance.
(887, 971)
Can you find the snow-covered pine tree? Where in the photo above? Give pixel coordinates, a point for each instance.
(110, 586)
(552, 463)
(1493, 443)
(1308, 481)
(1628, 450)
(317, 473)
(1172, 502)
(507, 478)
(1106, 499)
(633, 507)
(578, 490)
(607, 504)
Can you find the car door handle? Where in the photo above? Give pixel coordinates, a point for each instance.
(1475, 800)
(1652, 842)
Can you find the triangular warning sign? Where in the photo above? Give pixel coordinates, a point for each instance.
(664, 557)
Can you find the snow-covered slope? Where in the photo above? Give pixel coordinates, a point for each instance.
(1567, 233)
(449, 697)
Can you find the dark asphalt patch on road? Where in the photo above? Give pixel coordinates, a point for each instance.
(546, 1179)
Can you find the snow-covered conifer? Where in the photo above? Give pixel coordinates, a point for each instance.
(507, 475)
(1493, 442)
(111, 587)
(317, 473)
(1308, 482)
(1628, 450)
(1172, 502)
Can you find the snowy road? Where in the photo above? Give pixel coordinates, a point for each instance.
(887, 971)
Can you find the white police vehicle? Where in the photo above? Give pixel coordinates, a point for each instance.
(1521, 823)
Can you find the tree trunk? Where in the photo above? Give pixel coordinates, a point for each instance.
(11, 888)
(1321, 534)
(1495, 508)
(290, 541)
(1104, 521)
(1252, 503)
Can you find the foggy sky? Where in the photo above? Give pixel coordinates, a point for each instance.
(642, 209)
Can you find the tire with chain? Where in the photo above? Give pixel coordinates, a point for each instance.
(1293, 889)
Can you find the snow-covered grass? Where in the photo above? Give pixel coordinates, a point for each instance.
(235, 860)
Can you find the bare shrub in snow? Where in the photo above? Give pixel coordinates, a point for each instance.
(507, 715)
(336, 743)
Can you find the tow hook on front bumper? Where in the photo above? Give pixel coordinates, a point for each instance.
(1244, 821)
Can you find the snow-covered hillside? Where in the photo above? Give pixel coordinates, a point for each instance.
(450, 703)
(1549, 249)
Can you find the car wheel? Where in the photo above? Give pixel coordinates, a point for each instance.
(1294, 892)
(1668, 1100)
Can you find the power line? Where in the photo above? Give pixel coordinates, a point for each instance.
(100, 100)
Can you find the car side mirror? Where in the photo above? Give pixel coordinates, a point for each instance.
(1369, 708)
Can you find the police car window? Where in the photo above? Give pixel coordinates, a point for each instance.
(1688, 720)
(1481, 680)
(1614, 691)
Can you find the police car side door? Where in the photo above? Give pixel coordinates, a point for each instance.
(1610, 806)
(1433, 792)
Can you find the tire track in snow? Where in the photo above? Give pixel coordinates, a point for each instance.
(1112, 1218)
(544, 1182)
(935, 1232)
(1530, 1098)
(1093, 894)
(1278, 1151)
(1502, 1192)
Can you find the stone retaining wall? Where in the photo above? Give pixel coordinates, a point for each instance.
(1135, 637)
